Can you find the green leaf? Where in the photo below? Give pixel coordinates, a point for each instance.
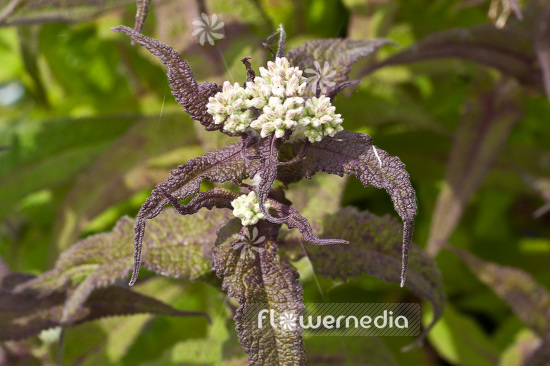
(261, 281)
(136, 153)
(460, 340)
(175, 246)
(529, 300)
(19, 12)
(50, 153)
(488, 120)
(374, 249)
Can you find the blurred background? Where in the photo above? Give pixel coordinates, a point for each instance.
(88, 127)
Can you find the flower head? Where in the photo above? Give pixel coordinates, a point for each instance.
(278, 95)
(319, 119)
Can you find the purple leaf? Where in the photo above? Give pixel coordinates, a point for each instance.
(339, 55)
(222, 165)
(353, 153)
(374, 250)
(511, 50)
(192, 96)
(293, 219)
(529, 300)
(141, 14)
(481, 136)
(26, 313)
(261, 281)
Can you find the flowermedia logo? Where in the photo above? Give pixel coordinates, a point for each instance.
(321, 76)
(333, 319)
(249, 244)
(208, 29)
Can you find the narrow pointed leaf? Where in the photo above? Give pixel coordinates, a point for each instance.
(481, 136)
(192, 96)
(542, 48)
(141, 14)
(27, 12)
(38, 158)
(353, 153)
(529, 300)
(508, 50)
(222, 165)
(374, 249)
(267, 280)
(137, 167)
(541, 355)
(27, 313)
(293, 219)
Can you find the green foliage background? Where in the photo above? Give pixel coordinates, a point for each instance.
(90, 126)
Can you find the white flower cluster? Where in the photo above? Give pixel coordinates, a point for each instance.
(319, 119)
(247, 208)
(278, 94)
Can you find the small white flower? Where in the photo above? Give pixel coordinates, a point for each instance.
(322, 75)
(247, 208)
(207, 29)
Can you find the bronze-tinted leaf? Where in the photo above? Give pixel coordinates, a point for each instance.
(481, 136)
(529, 300)
(261, 279)
(353, 153)
(174, 247)
(541, 355)
(25, 12)
(192, 96)
(373, 249)
(26, 313)
(508, 50)
(222, 165)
